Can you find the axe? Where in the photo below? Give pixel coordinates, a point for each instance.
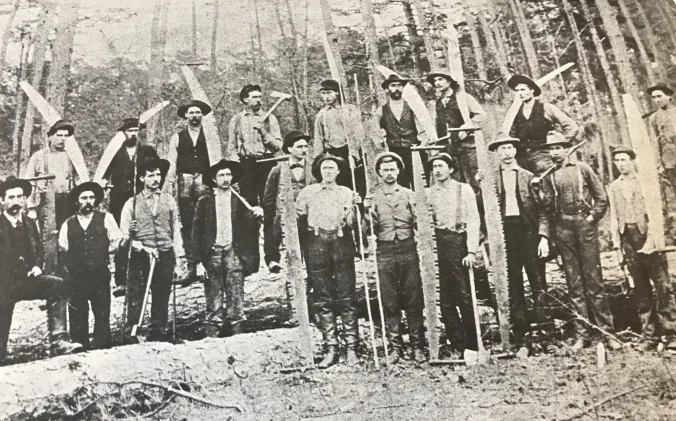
(280, 97)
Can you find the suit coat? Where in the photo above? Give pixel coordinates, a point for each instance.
(34, 257)
(245, 236)
(620, 209)
(271, 196)
(533, 214)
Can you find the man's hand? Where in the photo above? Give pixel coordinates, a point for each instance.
(257, 212)
(660, 170)
(590, 218)
(463, 135)
(201, 272)
(368, 201)
(356, 199)
(32, 213)
(469, 260)
(35, 272)
(138, 246)
(259, 128)
(543, 248)
(479, 177)
(133, 228)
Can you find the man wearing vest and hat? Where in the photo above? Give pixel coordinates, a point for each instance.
(87, 239)
(328, 209)
(120, 174)
(392, 209)
(225, 248)
(577, 200)
(155, 233)
(663, 122)
(402, 128)
(296, 147)
(189, 158)
(629, 229)
(532, 123)
(457, 222)
(461, 145)
(21, 260)
(251, 139)
(526, 228)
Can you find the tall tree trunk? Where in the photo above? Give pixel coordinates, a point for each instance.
(413, 37)
(259, 37)
(305, 67)
(254, 51)
(492, 46)
(292, 25)
(660, 70)
(370, 31)
(647, 63)
(525, 38)
(501, 40)
(7, 34)
(214, 36)
(333, 44)
(19, 105)
(554, 51)
(194, 29)
(476, 45)
(427, 36)
(667, 16)
(156, 70)
(278, 15)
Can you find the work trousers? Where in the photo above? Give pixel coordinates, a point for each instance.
(658, 316)
(51, 288)
(578, 243)
(90, 286)
(160, 289)
(190, 188)
(455, 291)
(252, 180)
(401, 287)
(226, 275)
(406, 177)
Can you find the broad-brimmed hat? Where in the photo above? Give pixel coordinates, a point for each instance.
(502, 139)
(661, 87)
(317, 164)
(209, 174)
(91, 186)
(393, 78)
(12, 182)
(444, 157)
(203, 106)
(292, 137)
(61, 125)
(329, 85)
(151, 163)
(244, 93)
(556, 138)
(383, 155)
(623, 149)
(439, 72)
(130, 123)
(517, 80)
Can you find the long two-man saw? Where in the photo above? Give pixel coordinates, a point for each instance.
(208, 121)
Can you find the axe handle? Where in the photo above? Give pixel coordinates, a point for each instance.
(274, 106)
(42, 177)
(273, 159)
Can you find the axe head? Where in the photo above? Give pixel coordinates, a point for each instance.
(280, 95)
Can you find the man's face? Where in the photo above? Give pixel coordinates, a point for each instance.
(524, 92)
(395, 90)
(329, 170)
(441, 170)
(131, 136)
(299, 149)
(660, 98)
(389, 172)
(223, 179)
(58, 139)
(506, 152)
(328, 97)
(86, 202)
(152, 179)
(194, 116)
(254, 101)
(557, 153)
(441, 83)
(13, 201)
(624, 163)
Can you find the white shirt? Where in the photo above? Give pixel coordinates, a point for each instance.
(194, 134)
(223, 203)
(509, 183)
(14, 220)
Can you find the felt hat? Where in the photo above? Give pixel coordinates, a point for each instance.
(661, 87)
(130, 123)
(183, 109)
(439, 72)
(61, 125)
(317, 164)
(444, 157)
(329, 85)
(91, 186)
(209, 174)
(556, 138)
(393, 78)
(149, 164)
(291, 138)
(383, 155)
(244, 93)
(501, 140)
(516, 80)
(12, 182)
(623, 149)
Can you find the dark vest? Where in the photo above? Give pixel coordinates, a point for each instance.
(87, 250)
(449, 115)
(532, 132)
(399, 133)
(191, 159)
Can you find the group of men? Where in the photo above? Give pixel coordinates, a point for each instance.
(212, 227)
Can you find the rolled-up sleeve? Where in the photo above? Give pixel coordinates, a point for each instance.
(114, 232)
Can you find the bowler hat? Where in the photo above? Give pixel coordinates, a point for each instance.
(439, 72)
(91, 186)
(209, 174)
(556, 138)
(130, 123)
(203, 106)
(394, 156)
(329, 85)
(292, 137)
(317, 164)
(502, 139)
(12, 182)
(393, 78)
(61, 125)
(516, 80)
(244, 93)
(444, 157)
(661, 87)
(623, 149)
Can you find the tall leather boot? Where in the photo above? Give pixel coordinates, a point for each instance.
(327, 323)
(350, 334)
(416, 334)
(392, 326)
(58, 334)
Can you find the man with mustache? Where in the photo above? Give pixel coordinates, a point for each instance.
(87, 239)
(156, 232)
(21, 259)
(120, 174)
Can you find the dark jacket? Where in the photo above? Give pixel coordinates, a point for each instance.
(270, 198)
(121, 169)
(534, 215)
(245, 230)
(34, 256)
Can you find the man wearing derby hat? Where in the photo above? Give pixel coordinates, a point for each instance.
(526, 229)
(392, 210)
(629, 229)
(663, 122)
(461, 145)
(456, 223)
(532, 123)
(576, 200)
(120, 174)
(402, 128)
(154, 231)
(224, 249)
(296, 147)
(87, 239)
(328, 209)
(21, 260)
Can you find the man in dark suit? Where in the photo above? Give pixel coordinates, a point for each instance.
(224, 248)
(21, 260)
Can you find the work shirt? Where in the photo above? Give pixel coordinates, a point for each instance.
(455, 209)
(246, 142)
(337, 126)
(663, 122)
(509, 182)
(47, 161)
(393, 213)
(114, 233)
(327, 207)
(575, 189)
(223, 217)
